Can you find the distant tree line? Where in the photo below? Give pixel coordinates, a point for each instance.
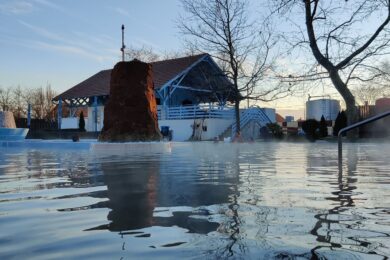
(17, 99)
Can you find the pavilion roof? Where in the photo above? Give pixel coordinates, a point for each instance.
(99, 84)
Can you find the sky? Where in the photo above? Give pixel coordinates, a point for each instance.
(63, 42)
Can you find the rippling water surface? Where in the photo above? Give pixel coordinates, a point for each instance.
(197, 200)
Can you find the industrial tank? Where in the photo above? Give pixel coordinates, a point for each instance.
(329, 108)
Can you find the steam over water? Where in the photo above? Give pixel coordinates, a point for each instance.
(197, 201)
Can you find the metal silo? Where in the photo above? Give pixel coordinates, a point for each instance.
(329, 108)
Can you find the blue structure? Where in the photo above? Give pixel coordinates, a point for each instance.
(13, 134)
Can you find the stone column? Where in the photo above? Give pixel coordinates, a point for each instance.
(7, 120)
(131, 111)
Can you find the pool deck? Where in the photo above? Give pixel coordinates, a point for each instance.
(85, 144)
(44, 144)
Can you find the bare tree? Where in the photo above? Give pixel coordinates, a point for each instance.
(369, 94)
(17, 99)
(38, 103)
(49, 105)
(346, 38)
(19, 105)
(144, 53)
(41, 103)
(378, 87)
(6, 99)
(223, 29)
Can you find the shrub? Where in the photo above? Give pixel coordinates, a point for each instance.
(341, 122)
(82, 122)
(264, 132)
(323, 127)
(275, 129)
(310, 127)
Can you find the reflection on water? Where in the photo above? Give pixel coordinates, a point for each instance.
(200, 200)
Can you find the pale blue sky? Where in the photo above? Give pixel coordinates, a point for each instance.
(63, 42)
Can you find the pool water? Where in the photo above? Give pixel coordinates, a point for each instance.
(196, 201)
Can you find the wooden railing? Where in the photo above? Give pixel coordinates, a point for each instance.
(193, 112)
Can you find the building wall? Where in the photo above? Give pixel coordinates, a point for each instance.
(270, 112)
(90, 124)
(250, 131)
(70, 123)
(382, 105)
(182, 129)
(179, 95)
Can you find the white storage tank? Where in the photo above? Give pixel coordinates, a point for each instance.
(329, 108)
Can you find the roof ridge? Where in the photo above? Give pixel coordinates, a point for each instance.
(184, 57)
(171, 59)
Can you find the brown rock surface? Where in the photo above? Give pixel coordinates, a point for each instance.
(7, 119)
(131, 111)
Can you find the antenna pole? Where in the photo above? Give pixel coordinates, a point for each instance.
(123, 43)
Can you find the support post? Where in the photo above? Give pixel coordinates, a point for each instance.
(28, 115)
(95, 111)
(72, 108)
(59, 113)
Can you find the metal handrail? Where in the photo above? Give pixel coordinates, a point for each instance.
(353, 126)
(254, 112)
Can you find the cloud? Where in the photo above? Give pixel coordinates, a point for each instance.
(55, 36)
(42, 31)
(139, 42)
(101, 40)
(52, 5)
(51, 41)
(122, 11)
(68, 49)
(126, 14)
(18, 7)
(48, 4)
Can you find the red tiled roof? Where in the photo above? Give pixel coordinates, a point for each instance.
(99, 84)
(279, 118)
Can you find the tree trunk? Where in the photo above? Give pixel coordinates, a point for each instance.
(237, 114)
(352, 111)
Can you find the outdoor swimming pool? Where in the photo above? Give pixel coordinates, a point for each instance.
(197, 200)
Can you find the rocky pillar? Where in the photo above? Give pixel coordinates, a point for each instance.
(131, 111)
(7, 120)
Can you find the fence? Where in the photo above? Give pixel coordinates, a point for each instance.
(36, 124)
(366, 111)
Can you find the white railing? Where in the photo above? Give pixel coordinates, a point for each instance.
(193, 112)
(253, 113)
